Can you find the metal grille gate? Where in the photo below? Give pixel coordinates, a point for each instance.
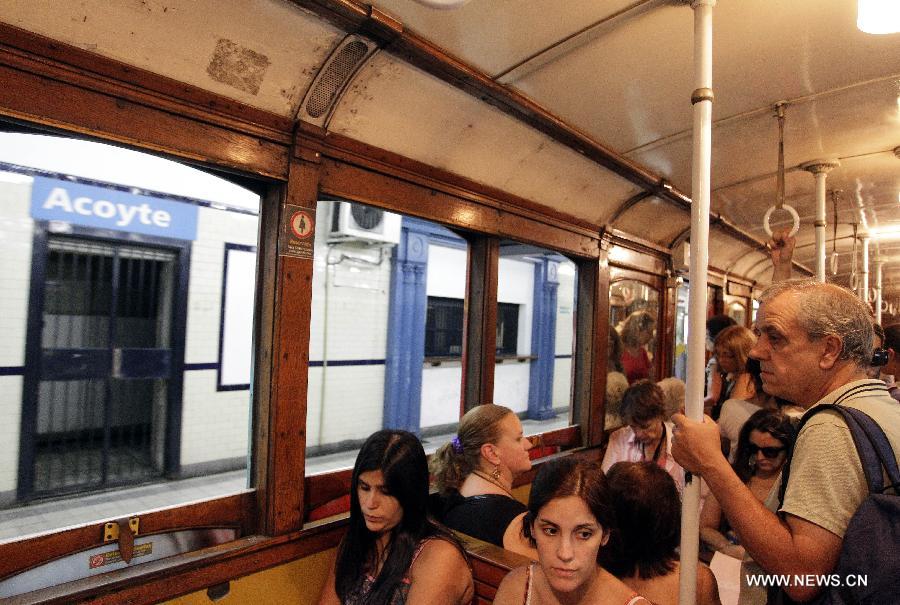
(105, 363)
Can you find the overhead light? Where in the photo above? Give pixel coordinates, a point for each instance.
(878, 16)
(885, 233)
(442, 4)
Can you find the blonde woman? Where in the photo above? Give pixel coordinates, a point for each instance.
(474, 475)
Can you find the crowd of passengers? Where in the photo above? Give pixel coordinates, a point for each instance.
(609, 533)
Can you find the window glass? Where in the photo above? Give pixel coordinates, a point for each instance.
(127, 315)
(386, 331)
(681, 331)
(634, 315)
(738, 312)
(535, 335)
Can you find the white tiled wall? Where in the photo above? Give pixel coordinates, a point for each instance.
(214, 424)
(15, 274)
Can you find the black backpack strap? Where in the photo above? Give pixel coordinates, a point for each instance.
(850, 420)
(881, 447)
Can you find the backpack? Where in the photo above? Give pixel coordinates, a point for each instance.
(871, 546)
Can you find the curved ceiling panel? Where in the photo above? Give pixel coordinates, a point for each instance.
(264, 54)
(644, 219)
(394, 106)
(489, 33)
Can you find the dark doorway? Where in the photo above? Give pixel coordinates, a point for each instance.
(96, 409)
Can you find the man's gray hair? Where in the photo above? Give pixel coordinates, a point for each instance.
(828, 309)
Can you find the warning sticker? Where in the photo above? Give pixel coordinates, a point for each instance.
(114, 556)
(299, 225)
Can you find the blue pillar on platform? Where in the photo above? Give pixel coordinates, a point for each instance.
(406, 332)
(543, 340)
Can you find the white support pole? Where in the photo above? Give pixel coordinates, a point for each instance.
(879, 273)
(702, 100)
(864, 282)
(820, 169)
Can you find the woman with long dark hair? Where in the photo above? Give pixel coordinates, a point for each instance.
(393, 554)
(570, 513)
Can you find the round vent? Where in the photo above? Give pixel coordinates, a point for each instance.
(366, 216)
(334, 77)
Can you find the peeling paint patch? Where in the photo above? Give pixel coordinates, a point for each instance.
(237, 66)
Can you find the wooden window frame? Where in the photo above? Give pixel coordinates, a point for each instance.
(46, 84)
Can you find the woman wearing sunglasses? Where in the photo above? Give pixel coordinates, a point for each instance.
(762, 449)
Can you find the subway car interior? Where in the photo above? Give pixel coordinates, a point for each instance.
(239, 237)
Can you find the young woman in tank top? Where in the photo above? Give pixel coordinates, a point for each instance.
(392, 553)
(569, 517)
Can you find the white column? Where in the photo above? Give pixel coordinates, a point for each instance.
(820, 169)
(864, 282)
(702, 100)
(879, 273)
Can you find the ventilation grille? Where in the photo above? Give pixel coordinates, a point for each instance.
(334, 77)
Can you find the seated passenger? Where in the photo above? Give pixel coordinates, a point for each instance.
(570, 513)
(642, 549)
(392, 553)
(761, 452)
(637, 332)
(474, 475)
(647, 436)
(616, 385)
(673, 395)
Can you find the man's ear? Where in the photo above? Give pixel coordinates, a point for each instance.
(605, 537)
(832, 346)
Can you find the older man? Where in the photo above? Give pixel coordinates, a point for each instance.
(814, 346)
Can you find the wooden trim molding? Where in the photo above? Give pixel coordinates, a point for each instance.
(480, 324)
(237, 511)
(285, 450)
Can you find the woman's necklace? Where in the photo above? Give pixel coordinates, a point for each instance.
(490, 479)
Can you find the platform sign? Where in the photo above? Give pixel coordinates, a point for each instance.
(299, 227)
(103, 208)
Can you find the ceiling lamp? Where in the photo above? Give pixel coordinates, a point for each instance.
(442, 4)
(878, 16)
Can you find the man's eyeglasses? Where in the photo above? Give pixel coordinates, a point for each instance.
(768, 452)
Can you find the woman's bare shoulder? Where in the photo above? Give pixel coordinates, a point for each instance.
(707, 587)
(512, 588)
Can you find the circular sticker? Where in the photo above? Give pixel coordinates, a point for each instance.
(301, 224)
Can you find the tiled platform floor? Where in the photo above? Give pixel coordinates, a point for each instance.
(55, 514)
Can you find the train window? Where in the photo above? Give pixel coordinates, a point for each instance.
(634, 315)
(127, 317)
(738, 312)
(681, 331)
(386, 330)
(535, 335)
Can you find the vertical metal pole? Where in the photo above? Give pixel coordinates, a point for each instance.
(864, 282)
(820, 169)
(702, 100)
(879, 273)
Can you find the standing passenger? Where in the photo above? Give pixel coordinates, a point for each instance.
(570, 513)
(392, 553)
(637, 332)
(814, 345)
(474, 474)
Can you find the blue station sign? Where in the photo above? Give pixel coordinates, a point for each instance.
(91, 206)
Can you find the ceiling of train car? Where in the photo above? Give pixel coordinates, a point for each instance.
(618, 70)
(264, 54)
(633, 62)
